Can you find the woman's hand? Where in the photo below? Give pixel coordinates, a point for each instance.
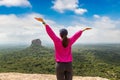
(86, 29)
(39, 19)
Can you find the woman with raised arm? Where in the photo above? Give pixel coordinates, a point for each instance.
(63, 53)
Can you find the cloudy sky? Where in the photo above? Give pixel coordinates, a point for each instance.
(17, 24)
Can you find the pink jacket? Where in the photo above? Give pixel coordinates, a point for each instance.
(62, 54)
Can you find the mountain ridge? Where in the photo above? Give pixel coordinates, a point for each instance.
(89, 60)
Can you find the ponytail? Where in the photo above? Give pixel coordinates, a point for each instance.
(65, 41)
(63, 34)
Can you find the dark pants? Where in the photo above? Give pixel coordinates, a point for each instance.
(64, 70)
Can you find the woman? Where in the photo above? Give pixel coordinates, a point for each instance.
(63, 53)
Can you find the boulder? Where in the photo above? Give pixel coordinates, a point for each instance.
(36, 42)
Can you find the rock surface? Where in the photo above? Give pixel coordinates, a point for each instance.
(36, 42)
(20, 76)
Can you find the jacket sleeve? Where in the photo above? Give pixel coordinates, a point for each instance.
(75, 37)
(51, 33)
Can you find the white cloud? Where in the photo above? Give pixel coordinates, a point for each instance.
(24, 28)
(80, 11)
(10, 3)
(105, 23)
(107, 30)
(20, 29)
(62, 5)
(104, 30)
(96, 16)
(72, 5)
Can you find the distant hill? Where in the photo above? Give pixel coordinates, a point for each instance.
(89, 60)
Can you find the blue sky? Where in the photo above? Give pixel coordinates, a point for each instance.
(18, 25)
(100, 7)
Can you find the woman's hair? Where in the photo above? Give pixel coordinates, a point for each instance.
(63, 34)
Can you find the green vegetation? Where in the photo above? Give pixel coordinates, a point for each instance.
(89, 60)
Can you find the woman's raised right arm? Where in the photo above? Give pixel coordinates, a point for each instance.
(48, 29)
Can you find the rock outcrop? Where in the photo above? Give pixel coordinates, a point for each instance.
(36, 42)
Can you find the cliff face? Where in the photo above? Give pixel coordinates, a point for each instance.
(36, 42)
